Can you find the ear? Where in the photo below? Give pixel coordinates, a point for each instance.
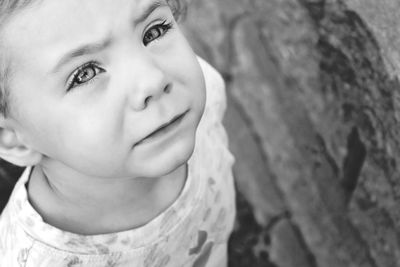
(13, 149)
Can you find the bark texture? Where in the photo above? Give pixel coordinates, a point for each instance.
(313, 120)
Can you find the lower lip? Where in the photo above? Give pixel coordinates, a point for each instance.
(164, 131)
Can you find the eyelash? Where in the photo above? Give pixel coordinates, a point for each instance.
(161, 29)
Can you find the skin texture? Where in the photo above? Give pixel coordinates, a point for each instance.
(84, 140)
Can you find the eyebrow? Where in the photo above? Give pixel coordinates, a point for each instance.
(82, 50)
(95, 47)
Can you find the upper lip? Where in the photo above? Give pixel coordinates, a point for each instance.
(164, 125)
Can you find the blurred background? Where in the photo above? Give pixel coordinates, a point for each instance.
(313, 119)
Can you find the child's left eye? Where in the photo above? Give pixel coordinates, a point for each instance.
(156, 32)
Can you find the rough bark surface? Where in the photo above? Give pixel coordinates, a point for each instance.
(313, 122)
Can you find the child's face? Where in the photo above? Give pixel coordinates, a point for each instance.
(92, 79)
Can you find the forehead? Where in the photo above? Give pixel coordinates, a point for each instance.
(51, 25)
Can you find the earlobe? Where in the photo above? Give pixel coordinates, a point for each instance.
(15, 151)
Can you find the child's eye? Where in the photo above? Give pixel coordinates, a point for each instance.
(156, 32)
(84, 74)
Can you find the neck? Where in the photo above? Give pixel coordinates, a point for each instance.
(73, 204)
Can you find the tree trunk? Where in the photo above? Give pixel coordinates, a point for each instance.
(313, 121)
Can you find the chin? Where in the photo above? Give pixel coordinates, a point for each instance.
(171, 165)
(168, 160)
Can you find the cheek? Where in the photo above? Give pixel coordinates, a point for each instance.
(65, 134)
(90, 133)
(90, 143)
(197, 86)
(180, 59)
(186, 70)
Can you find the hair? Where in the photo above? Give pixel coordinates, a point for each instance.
(179, 8)
(7, 8)
(10, 7)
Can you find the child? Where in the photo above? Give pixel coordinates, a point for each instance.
(127, 162)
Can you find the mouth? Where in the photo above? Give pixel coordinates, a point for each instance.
(164, 129)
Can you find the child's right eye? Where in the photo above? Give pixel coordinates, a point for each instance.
(84, 74)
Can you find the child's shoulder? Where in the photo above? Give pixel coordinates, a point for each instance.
(212, 138)
(215, 88)
(14, 240)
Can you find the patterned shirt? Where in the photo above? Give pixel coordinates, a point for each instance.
(193, 231)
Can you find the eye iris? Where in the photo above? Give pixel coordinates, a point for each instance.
(152, 34)
(85, 75)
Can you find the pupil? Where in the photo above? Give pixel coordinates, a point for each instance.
(153, 33)
(84, 76)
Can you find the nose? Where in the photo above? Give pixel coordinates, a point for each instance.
(149, 85)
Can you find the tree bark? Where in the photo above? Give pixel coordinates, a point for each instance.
(313, 121)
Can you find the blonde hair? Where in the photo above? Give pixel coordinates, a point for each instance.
(7, 8)
(178, 7)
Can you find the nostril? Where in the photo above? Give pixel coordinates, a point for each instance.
(147, 100)
(167, 89)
